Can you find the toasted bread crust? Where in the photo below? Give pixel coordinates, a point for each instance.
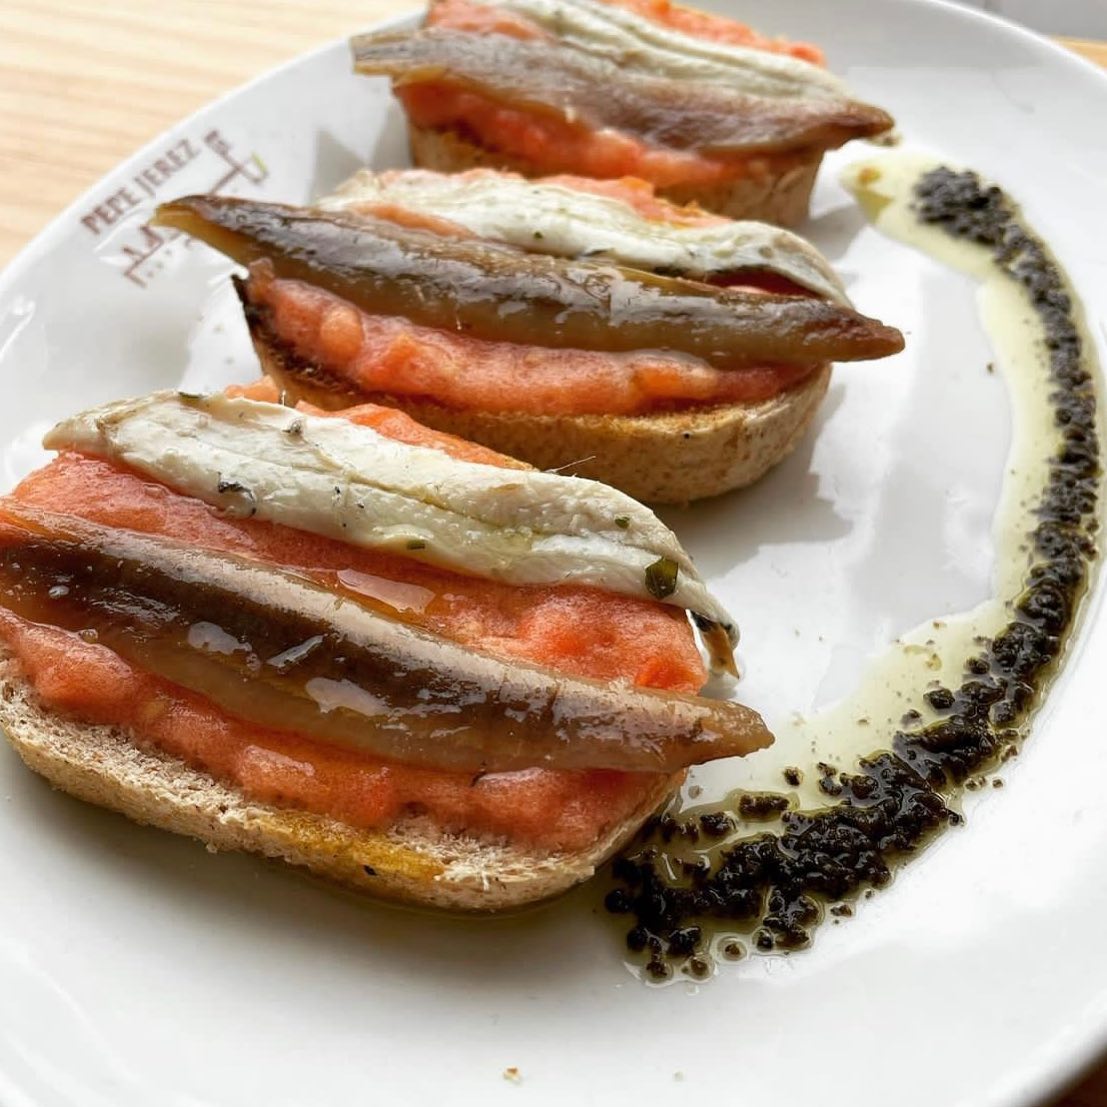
(412, 862)
(782, 199)
(663, 458)
(668, 458)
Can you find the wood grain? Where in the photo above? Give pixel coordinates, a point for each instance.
(1093, 51)
(84, 84)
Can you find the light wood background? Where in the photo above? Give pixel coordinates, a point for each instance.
(84, 83)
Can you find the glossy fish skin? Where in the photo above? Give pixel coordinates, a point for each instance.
(281, 651)
(500, 293)
(578, 87)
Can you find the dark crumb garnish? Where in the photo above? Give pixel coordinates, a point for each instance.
(777, 885)
(761, 805)
(716, 824)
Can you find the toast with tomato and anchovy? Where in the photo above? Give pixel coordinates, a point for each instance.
(394, 658)
(669, 379)
(702, 107)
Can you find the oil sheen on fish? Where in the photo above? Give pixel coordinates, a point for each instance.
(496, 292)
(554, 218)
(597, 92)
(283, 652)
(342, 480)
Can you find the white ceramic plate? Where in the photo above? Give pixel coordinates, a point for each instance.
(135, 969)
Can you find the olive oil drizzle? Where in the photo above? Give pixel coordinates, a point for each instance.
(690, 886)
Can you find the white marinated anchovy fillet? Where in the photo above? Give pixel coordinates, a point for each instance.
(333, 477)
(636, 42)
(557, 219)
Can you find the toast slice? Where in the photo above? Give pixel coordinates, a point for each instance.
(662, 458)
(413, 862)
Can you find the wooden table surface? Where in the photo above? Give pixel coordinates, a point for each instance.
(83, 84)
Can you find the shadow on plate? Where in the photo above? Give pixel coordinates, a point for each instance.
(284, 912)
(784, 506)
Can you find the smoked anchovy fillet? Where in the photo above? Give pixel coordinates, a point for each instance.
(636, 42)
(341, 480)
(495, 292)
(597, 92)
(281, 651)
(553, 218)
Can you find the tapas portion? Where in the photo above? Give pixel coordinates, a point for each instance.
(668, 388)
(376, 651)
(702, 107)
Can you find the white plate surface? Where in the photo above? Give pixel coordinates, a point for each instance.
(135, 969)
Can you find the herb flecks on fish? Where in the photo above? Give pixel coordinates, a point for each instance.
(345, 481)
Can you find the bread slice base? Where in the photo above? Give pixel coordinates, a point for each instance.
(783, 198)
(663, 458)
(666, 458)
(412, 862)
